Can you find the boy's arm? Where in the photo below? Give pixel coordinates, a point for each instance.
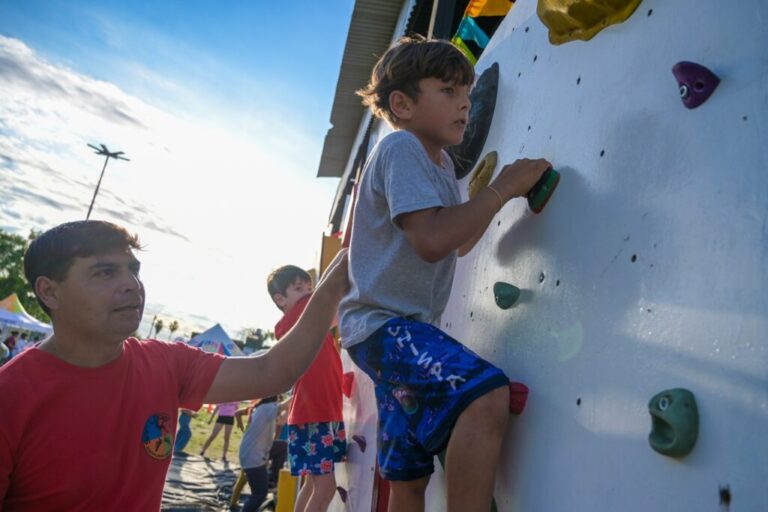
(243, 378)
(239, 417)
(284, 405)
(436, 232)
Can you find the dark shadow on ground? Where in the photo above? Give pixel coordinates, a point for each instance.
(195, 483)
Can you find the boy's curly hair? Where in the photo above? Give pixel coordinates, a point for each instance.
(406, 62)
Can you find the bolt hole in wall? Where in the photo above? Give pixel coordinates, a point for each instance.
(542, 277)
(578, 81)
(578, 401)
(557, 283)
(634, 258)
(725, 496)
(650, 11)
(602, 153)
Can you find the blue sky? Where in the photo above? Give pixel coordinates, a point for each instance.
(222, 108)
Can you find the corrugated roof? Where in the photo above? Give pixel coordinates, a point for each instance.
(370, 33)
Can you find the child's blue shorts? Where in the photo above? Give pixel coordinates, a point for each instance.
(314, 448)
(424, 380)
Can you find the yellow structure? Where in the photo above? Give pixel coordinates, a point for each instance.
(482, 174)
(330, 247)
(582, 19)
(237, 490)
(286, 491)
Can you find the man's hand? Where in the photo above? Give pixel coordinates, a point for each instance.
(246, 378)
(334, 283)
(517, 178)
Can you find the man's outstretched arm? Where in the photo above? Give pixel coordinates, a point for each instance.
(245, 378)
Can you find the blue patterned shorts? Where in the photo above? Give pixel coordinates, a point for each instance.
(313, 448)
(424, 380)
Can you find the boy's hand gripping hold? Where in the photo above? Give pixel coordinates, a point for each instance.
(517, 178)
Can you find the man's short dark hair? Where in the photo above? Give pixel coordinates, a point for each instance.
(280, 279)
(405, 63)
(52, 253)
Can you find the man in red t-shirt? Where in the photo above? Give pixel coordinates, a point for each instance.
(89, 415)
(316, 437)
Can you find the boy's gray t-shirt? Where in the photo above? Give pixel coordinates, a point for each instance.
(258, 437)
(387, 278)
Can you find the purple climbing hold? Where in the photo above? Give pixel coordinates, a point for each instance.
(696, 83)
(361, 442)
(342, 493)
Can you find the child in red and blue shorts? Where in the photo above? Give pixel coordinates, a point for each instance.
(316, 437)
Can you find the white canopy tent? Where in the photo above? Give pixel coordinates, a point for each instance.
(13, 314)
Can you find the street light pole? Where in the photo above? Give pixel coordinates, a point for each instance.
(117, 155)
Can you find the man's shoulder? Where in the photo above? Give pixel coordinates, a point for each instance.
(149, 344)
(21, 373)
(152, 349)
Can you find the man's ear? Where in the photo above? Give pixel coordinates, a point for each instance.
(47, 289)
(400, 104)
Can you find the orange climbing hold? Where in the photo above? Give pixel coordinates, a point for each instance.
(582, 19)
(477, 8)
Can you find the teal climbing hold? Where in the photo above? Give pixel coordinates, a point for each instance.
(505, 294)
(469, 30)
(675, 422)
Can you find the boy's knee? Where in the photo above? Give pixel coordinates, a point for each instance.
(412, 488)
(323, 483)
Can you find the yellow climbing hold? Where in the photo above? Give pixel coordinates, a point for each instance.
(482, 174)
(461, 45)
(582, 19)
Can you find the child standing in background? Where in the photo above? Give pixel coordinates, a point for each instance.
(226, 419)
(316, 437)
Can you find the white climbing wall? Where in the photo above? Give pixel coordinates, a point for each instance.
(646, 271)
(355, 476)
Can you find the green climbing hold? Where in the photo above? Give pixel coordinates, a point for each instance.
(675, 422)
(505, 294)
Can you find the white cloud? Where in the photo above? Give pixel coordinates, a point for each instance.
(219, 204)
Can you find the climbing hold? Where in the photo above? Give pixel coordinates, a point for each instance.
(542, 190)
(469, 30)
(505, 294)
(483, 98)
(361, 442)
(675, 422)
(482, 174)
(696, 83)
(518, 397)
(347, 383)
(568, 20)
(343, 494)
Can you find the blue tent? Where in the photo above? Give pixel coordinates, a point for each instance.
(216, 340)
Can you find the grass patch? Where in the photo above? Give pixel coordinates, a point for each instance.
(201, 429)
